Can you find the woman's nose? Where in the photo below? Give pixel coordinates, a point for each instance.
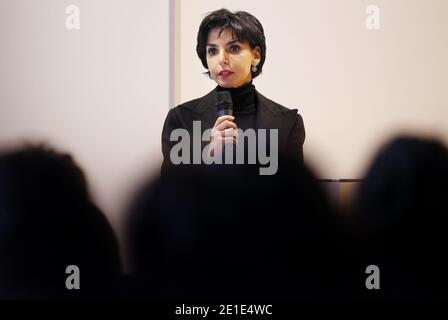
(223, 57)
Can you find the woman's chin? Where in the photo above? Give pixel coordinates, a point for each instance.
(225, 84)
(228, 84)
(231, 83)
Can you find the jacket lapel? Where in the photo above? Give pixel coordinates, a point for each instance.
(267, 116)
(206, 109)
(270, 117)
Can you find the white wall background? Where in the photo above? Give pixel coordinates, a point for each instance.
(100, 92)
(354, 87)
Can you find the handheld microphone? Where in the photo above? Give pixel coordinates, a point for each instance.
(224, 104)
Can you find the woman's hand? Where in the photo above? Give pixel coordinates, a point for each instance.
(224, 131)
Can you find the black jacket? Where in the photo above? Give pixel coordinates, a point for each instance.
(269, 115)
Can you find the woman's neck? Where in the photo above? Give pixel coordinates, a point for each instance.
(237, 89)
(243, 97)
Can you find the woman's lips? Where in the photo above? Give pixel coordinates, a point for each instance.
(225, 74)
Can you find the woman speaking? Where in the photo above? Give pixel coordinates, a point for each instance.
(231, 46)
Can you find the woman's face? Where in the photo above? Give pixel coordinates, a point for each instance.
(230, 61)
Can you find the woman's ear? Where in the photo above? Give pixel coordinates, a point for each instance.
(256, 52)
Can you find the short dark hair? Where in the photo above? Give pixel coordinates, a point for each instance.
(242, 24)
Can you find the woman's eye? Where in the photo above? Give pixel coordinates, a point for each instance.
(211, 51)
(234, 48)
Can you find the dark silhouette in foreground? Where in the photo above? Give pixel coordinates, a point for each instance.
(402, 219)
(226, 232)
(48, 222)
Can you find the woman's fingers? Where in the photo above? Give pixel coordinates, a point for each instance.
(219, 142)
(225, 125)
(224, 122)
(229, 132)
(224, 132)
(225, 140)
(223, 118)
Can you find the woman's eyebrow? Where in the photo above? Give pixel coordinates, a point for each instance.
(228, 43)
(232, 42)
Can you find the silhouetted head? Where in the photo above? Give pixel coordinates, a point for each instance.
(48, 222)
(403, 213)
(224, 232)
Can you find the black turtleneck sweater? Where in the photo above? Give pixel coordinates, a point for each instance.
(244, 105)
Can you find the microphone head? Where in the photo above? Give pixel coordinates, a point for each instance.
(224, 104)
